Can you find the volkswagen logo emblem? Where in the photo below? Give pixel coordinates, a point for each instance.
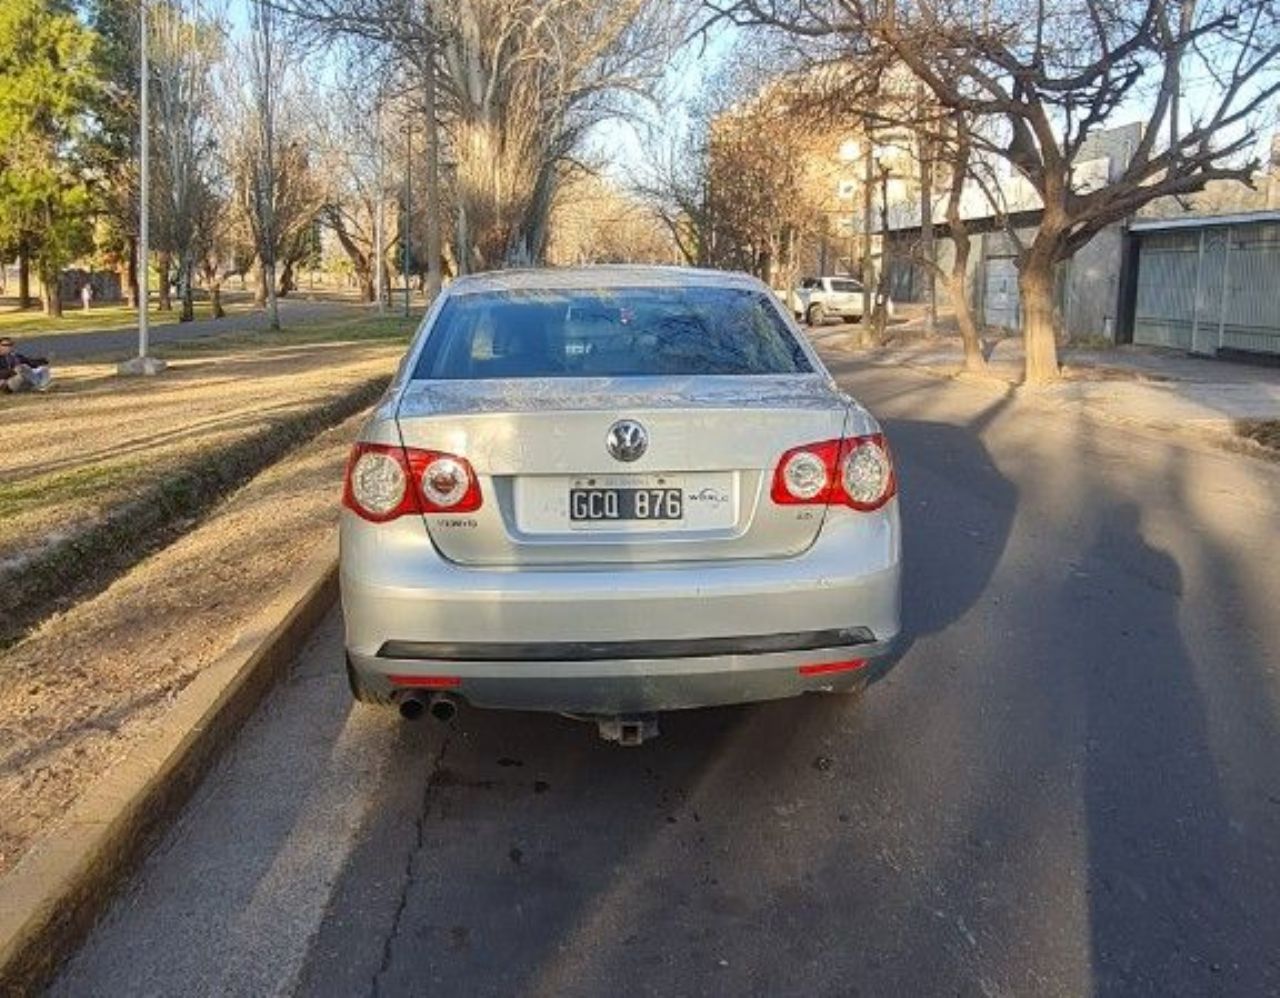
(627, 440)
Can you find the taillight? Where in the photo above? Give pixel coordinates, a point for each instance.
(867, 478)
(384, 482)
(856, 472)
(446, 482)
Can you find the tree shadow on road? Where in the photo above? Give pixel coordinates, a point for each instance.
(530, 858)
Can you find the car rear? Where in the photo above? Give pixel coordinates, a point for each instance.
(613, 493)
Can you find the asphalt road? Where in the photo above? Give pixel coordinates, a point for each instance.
(1070, 785)
(123, 343)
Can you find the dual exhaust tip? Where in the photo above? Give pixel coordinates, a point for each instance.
(441, 706)
(625, 729)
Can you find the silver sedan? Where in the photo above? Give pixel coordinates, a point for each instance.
(610, 492)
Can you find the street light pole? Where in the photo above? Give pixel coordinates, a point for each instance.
(142, 364)
(868, 185)
(880, 310)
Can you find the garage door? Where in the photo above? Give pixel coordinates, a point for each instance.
(1209, 289)
(1000, 293)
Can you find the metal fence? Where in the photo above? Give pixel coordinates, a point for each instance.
(1210, 288)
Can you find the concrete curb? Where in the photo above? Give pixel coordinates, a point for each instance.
(51, 899)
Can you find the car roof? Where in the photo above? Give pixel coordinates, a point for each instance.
(601, 276)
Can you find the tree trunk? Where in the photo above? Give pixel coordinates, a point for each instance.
(131, 273)
(188, 298)
(365, 282)
(958, 293)
(260, 286)
(927, 250)
(24, 277)
(215, 298)
(49, 292)
(1035, 286)
(958, 288)
(273, 305)
(163, 261)
(287, 282)
(434, 276)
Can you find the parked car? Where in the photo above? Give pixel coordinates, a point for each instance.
(818, 299)
(609, 492)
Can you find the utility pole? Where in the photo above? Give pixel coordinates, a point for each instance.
(868, 186)
(143, 364)
(882, 289)
(924, 144)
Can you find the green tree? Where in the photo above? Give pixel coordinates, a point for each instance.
(47, 80)
(112, 149)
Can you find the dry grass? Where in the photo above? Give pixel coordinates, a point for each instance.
(98, 472)
(1261, 431)
(85, 687)
(103, 455)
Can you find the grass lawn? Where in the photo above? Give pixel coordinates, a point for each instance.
(25, 322)
(359, 329)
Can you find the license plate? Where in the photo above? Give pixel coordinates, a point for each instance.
(603, 505)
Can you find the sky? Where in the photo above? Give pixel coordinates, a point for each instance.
(624, 145)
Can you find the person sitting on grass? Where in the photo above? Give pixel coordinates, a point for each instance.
(19, 373)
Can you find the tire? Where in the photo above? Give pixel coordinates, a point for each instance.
(816, 315)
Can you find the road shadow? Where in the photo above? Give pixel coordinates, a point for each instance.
(516, 854)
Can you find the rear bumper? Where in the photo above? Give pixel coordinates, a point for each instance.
(625, 686)
(619, 638)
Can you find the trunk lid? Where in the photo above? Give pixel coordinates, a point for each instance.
(554, 494)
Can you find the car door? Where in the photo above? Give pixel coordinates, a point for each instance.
(848, 297)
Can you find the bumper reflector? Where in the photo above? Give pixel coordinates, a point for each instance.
(431, 682)
(822, 668)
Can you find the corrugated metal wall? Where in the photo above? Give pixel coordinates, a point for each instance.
(1210, 288)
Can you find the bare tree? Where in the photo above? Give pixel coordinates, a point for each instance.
(515, 85)
(266, 67)
(739, 185)
(187, 44)
(594, 221)
(673, 187)
(1038, 80)
(278, 189)
(352, 156)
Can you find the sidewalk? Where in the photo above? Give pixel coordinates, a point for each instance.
(1159, 389)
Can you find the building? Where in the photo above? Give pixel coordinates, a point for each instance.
(1205, 280)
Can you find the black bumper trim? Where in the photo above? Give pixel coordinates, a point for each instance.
(597, 651)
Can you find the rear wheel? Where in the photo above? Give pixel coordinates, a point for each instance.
(816, 314)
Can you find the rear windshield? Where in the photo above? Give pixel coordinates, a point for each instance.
(613, 333)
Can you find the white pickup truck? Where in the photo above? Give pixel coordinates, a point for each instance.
(820, 298)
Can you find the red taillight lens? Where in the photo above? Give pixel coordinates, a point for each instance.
(807, 474)
(856, 472)
(384, 482)
(447, 483)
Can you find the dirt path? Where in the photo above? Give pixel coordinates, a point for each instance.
(85, 687)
